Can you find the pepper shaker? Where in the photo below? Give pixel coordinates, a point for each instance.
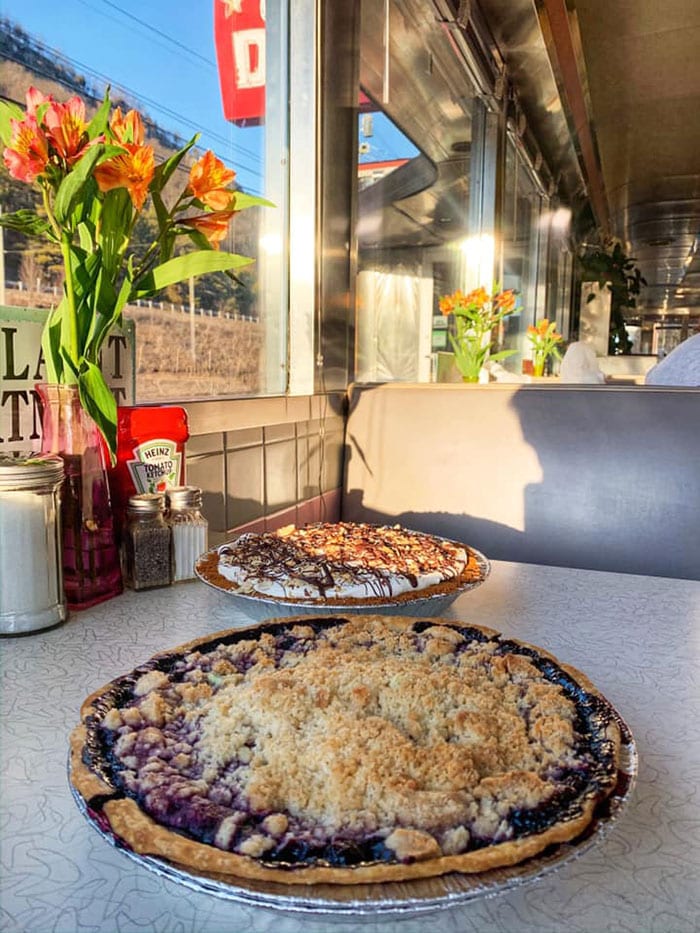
(147, 543)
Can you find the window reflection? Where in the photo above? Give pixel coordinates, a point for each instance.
(415, 138)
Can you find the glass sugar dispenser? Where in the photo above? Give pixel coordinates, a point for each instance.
(147, 543)
(190, 529)
(32, 595)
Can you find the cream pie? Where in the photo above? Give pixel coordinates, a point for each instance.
(347, 751)
(344, 562)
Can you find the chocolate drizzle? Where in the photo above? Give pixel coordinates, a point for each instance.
(329, 558)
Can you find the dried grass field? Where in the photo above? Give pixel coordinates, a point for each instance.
(183, 356)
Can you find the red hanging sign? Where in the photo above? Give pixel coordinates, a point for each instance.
(239, 33)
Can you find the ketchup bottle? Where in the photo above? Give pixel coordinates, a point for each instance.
(150, 453)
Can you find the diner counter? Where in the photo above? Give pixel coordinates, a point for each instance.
(637, 638)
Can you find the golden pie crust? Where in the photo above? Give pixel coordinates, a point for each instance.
(441, 739)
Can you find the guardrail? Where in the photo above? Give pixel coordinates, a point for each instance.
(160, 305)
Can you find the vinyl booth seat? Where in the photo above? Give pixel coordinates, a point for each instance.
(593, 477)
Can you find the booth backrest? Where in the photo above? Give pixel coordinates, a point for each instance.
(599, 477)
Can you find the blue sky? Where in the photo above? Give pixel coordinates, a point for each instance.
(159, 53)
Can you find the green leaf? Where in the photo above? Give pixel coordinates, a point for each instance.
(115, 224)
(99, 122)
(97, 399)
(501, 355)
(162, 213)
(8, 112)
(244, 201)
(198, 238)
(183, 267)
(164, 171)
(51, 344)
(27, 222)
(107, 313)
(86, 237)
(109, 152)
(72, 186)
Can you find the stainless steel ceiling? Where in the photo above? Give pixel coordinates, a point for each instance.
(633, 135)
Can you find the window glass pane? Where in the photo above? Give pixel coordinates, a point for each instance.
(523, 240)
(415, 148)
(189, 68)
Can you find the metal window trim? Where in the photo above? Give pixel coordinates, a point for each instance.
(303, 171)
(477, 47)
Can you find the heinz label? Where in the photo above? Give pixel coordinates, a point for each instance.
(156, 466)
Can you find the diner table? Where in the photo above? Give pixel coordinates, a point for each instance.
(637, 638)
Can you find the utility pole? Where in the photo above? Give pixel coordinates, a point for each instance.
(193, 351)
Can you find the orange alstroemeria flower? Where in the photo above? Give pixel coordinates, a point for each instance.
(66, 128)
(478, 297)
(34, 100)
(133, 170)
(28, 153)
(505, 301)
(214, 225)
(127, 130)
(544, 330)
(448, 303)
(208, 180)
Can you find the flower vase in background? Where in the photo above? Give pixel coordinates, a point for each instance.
(91, 567)
(545, 342)
(475, 316)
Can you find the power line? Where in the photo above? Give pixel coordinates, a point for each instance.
(162, 108)
(151, 29)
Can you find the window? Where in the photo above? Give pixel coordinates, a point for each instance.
(217, 69)
(415, 151)
(524, 251)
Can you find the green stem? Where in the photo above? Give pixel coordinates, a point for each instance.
(49, 212)
(64, 237)
(72, 348)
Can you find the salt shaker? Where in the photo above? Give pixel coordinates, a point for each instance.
(190, 529)
(31, 565)
(147, 543)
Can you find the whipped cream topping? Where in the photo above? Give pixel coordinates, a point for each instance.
(344, 560)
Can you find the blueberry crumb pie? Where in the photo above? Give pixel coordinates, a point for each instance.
(372, 748)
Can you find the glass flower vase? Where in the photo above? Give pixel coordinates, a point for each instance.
(91, 566)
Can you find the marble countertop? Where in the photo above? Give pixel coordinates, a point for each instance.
(637, 638)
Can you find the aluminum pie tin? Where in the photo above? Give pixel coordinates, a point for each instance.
(395, 898)
(260, 608)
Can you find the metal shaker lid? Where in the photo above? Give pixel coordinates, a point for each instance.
(28, 470)
(184, 497)
(146, 502)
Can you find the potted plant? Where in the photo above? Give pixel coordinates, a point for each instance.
(544, 342)
(607, 264)
(475, 315)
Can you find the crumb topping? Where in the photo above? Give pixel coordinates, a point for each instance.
(384, 740)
